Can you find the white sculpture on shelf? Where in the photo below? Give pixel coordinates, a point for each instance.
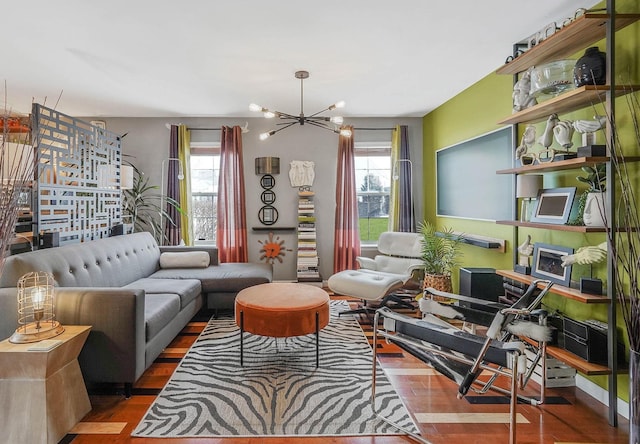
(547, 136)
(301, 173)
(528, 140)
(563, 132)
(588, 128)
(588, 255)
(525, 251)
(522, 97)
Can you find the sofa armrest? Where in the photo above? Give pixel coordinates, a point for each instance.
(8, 311)
(212, 250)
(367, 263)
(115, 348)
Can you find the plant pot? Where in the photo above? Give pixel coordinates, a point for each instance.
(594, 210)
(439, 282)
(634, 397)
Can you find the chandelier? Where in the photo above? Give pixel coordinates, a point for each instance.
(314, 119)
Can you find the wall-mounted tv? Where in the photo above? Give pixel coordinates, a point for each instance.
(467, 185)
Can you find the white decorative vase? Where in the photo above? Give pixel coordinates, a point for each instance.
(594, 210)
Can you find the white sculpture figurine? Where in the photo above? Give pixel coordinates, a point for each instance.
(301, 173)
(547, 136)
(525, 250)
(563, 132)
(522, 97)
(588, 128)
(586, 255)
(528, 140)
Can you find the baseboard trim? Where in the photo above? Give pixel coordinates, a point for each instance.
(600, 394)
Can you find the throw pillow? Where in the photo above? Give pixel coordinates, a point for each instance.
(185, 259)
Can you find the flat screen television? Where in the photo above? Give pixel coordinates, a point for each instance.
(467, 185)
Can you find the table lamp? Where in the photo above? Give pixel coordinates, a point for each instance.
(36, 317)
(527, 187)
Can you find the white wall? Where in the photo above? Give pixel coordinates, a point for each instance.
(148, 140)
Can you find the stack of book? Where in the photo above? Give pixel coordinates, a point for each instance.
(307, 265)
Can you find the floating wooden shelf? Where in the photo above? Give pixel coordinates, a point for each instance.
(558, 165)
(572, 360)
(560, 290)
(574, 228)
(567, 41)
(273, 228)
(570, 101)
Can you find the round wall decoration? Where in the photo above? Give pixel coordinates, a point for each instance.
(273, 249)
(268, 197)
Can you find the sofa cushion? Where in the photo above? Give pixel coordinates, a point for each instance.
(190, 259)
(227, 277)
(187, 289)
(159, 311)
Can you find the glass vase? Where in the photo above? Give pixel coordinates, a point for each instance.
(634, 397)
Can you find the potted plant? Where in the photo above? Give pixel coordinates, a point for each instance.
(142, 205)
(440, 254)
(591, 204)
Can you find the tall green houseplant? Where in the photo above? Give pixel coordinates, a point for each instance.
(142, 204)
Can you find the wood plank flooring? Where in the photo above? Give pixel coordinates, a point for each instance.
(429, 396)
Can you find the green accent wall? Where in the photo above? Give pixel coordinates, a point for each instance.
(474, 112)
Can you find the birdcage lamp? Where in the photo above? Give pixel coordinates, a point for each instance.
(36, 309)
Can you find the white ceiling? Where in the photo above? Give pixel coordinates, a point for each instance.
(159, 58)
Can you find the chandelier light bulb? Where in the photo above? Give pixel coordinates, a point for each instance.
(345, 132)
(269, 114)
(340, 104)
(337, 119)
(264, 136)
(255, 108)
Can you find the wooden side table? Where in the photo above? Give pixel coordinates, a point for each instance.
(43, 394)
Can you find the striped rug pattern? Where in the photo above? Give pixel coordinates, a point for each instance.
(278, 391)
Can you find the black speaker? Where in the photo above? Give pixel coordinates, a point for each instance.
(591, 286)
(481, 283)
(50, 240)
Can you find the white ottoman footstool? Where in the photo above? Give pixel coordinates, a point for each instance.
(364, 284)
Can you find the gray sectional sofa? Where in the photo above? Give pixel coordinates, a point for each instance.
(135, 307)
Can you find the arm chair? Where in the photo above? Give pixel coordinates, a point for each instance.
(379, 279)
(463, 356)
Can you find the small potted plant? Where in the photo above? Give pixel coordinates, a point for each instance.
(440, 254)
(591, 204)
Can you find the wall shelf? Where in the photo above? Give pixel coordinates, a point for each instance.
(572, 360)
(569, 293)
(273, 228)
(558, 165)
(581, 97)
(583, 32)
(573, 228)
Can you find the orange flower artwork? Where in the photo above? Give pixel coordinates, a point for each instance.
(273, 249)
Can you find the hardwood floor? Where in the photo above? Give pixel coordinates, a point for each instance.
(430, 397)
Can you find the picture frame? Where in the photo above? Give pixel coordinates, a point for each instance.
(547, 263)
(553, 205)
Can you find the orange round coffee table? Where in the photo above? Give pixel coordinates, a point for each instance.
(281, 310)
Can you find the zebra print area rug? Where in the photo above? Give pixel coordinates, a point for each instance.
(279, 391)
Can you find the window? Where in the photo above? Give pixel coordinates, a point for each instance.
(373, 183)
(205, 169)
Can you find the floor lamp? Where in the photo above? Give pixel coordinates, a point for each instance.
(396, 176)
(163, 195)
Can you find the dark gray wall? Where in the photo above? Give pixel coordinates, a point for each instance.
(148, 140)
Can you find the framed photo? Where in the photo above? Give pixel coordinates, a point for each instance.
(268, 215)
(547, 263)
(553, 205)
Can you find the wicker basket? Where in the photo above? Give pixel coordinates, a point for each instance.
(439, 282)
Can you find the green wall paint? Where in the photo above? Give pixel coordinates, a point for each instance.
(475, 111)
